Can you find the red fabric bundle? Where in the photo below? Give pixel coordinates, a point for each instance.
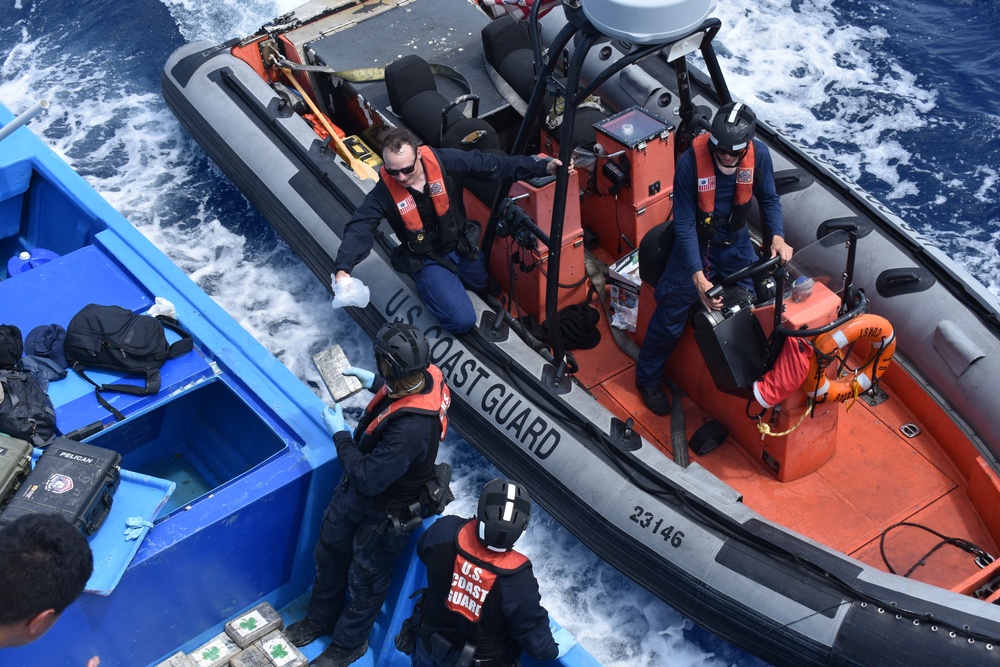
(787, 374)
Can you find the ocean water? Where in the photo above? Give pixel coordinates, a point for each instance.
(902, 97)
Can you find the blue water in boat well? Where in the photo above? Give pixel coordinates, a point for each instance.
(216, 437)
(901, 96)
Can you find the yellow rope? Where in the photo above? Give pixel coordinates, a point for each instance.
(855, 391)
(765, 428)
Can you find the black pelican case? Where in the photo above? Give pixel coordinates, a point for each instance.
(73, 479)
(15, 462)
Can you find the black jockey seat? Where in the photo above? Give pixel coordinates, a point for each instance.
(654, 251)
(731, 340)
(414, 97)
(507, 50)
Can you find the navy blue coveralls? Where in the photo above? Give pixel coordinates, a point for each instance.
(351, 554)
(725, 254)
(513, 618)
(442, 290)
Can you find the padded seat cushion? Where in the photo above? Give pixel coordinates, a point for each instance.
(407, 77)
(470, 133)
(422, 114)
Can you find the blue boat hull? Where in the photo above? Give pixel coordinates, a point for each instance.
(246, 430)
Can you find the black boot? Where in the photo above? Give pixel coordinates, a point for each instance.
(305, 632)
(655, 399)
(335, 656)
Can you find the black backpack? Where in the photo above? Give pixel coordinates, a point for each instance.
(117, 339)
(26, 411)
(11, 345)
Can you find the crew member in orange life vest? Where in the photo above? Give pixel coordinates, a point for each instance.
(713, 184)
(388, 471)
(420, 194)
(482, 606)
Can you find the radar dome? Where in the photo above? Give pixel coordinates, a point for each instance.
(647, 21)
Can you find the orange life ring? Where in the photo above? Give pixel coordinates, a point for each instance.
(869, 327)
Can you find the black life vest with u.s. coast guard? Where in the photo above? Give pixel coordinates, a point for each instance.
(745, 175)
(421, 238)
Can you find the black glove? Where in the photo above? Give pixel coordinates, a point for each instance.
(468, 245)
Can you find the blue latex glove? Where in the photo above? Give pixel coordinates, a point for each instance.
(134, 526)
(334, 419)
(367, 378)
(564, 640)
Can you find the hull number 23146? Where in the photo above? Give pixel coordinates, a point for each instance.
(647, 520)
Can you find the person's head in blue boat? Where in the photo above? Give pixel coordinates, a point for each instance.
(402, 355)
(45, 562)
(420, 194)
(715, 181)
(389, 485)
(503, 514)
(482, 603)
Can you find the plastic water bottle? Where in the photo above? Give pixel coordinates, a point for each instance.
(802, 288)
(25, 260)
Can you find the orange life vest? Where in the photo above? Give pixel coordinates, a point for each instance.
(434, 402)
(705, 162)
(475, 571)
(421, 239)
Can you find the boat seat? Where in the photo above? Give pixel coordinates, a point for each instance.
(654, 251)
(507, 50)
(414, 97)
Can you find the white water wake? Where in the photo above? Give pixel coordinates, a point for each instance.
(822, 81)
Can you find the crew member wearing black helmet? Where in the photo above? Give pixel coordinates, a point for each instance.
(481, 607)
(714, 182)
(389, 484)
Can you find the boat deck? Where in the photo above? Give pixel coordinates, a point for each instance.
(876, 478)
(231, 432)
(455, 43)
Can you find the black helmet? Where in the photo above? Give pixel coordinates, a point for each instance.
(504, 511)
(400, 350)
(733, 127)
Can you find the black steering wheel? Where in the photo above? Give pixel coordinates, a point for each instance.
(759, 266)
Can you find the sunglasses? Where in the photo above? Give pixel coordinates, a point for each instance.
(738, 153)
(406, 171)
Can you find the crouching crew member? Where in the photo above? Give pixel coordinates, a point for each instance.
(390, 483)
(420, 194)
(481, 607)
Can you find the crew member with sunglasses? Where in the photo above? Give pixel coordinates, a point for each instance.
(714, 182)
(420, 194)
